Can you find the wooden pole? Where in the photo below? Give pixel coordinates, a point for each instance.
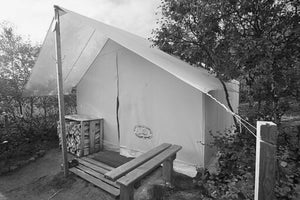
(61, 103)
(126, 192)
(265, 160)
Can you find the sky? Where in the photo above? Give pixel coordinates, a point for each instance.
(32, 18)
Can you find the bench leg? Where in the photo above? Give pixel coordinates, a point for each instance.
(126, 192)
(168, 170)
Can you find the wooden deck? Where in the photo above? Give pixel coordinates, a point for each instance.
(108, 178)
(93, 171)
(93, 167)
(111, 158)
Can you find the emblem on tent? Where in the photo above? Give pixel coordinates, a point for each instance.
(142, 132)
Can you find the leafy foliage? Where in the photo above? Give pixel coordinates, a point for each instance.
(23, 119)
(256, 42)
(235, 177)
(16, 60)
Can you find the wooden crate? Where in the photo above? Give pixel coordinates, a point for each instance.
(84, 134)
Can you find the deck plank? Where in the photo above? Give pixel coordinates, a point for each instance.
(92, 166)
(108, 188)
(127, 167)
(97, 163)
(97, 175)
(148, 166)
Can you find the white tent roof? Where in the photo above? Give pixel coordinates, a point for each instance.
(83, 38)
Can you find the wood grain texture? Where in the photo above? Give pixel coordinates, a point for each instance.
(92, 166)
(168, 170)
(61, 103)
(265, 161)
(93, 131)
(81, 153)
(81, 117)
(127, 192)
(148, 166)
(101, 134)
(97, 175)
(108, 188)
(127, 167)
(99, 164)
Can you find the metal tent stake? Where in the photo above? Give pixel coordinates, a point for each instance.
(61, 103)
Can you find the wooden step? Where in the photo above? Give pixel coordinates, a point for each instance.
(97, 182)
(99, 164)
(97, 175)
(92, 166)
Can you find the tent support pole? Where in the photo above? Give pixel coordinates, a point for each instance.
(60, 92)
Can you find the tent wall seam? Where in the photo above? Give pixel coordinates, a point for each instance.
(118, 102)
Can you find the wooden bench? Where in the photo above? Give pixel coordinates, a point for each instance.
(129, 173)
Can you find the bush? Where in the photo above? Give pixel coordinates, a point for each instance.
(24, 121)
(236, 176)
(25, 132)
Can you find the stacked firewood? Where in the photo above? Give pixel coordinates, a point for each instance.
(79, 132)
(73, 137)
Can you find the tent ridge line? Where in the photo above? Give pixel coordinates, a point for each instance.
(131, 34)
(147, 53)
(149, 60)
(75, 14)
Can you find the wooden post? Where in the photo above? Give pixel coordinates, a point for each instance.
(265, 160)
(81, 139)
(92, 136)
(168, 170)
(126, 192)
(101, 134)
(60, 91)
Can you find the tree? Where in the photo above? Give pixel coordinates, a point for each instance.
(31, 115)
(17, 58)
(28, 121)
(256, 42)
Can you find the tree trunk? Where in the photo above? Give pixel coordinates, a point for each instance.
(228, 101)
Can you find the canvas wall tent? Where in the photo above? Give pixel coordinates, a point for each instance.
(153, 90)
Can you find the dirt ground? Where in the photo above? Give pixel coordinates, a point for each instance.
(43, 180)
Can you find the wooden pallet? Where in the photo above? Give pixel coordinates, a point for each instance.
(93, 172)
